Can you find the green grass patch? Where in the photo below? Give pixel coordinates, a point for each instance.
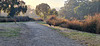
(40, 22)
(54, 28)
(10, 32)
(89, 39)
(83, 37)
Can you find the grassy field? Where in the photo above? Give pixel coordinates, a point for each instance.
(9, 30)
(89, 39)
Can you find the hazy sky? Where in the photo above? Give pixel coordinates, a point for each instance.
(53, 3)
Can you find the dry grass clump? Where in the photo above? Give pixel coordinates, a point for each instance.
(38, 19)
(91, 24)
(53, 20)
(75, 24)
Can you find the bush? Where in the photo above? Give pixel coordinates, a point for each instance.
(39, 19)
(91, 24)
(16, 18)
(53, 20)
(6, 20)
(75, 24)
(22, 18)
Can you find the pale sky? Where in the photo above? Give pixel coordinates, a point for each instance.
(52, 3)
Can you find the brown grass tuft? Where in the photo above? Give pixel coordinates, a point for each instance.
(53, 20)
(91, 24)
(39, 19)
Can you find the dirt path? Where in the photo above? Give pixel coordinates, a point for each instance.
(33, 34)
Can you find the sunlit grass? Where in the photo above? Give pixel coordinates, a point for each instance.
(83, 37)
(40, 22)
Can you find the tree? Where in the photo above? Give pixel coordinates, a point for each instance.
(68, 10)
(80, 8)
(13, 7)
(42, 10)
(53, 12)
(87, 8)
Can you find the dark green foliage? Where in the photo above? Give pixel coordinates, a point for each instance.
(16, 18)
(6, 20)
(53, 12)
(22, 18)
(42, 10)
(13, 7)
(87, 8)
(79, 8)
(68, 10)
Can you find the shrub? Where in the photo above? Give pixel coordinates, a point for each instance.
(53, 20)
(6, 20)
(98, 26)
(22, 18)
(75, 24)
(39, 19)
(17, 18)
(91, 24)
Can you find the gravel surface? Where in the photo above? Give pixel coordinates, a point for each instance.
(33, 34)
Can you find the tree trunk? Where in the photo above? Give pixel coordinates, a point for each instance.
(0, 13)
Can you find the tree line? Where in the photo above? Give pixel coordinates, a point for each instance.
(72, 8)
(79, 8)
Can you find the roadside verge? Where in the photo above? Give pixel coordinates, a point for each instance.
(89, 39)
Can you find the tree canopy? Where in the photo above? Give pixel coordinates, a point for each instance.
(53, 12)
(79, 8)
(87, 8)
(13, 7)
(44, 10)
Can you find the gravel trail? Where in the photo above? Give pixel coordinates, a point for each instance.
(33, 34)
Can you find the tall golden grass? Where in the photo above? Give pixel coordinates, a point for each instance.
(53, 20)
(38, 19)
(90, 24)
